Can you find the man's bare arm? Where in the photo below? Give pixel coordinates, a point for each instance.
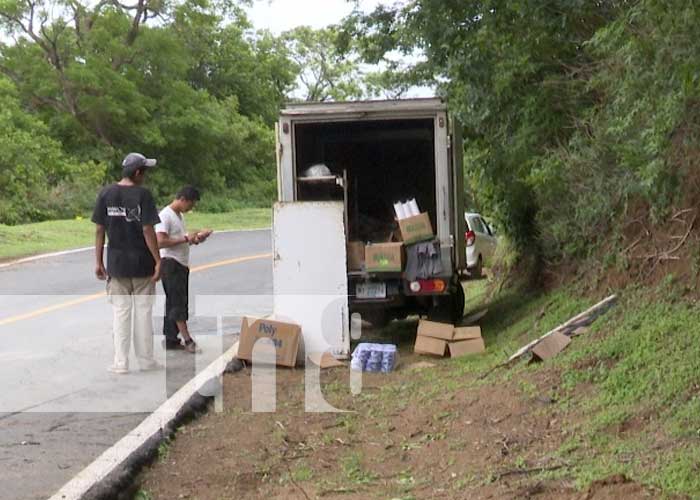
(165, 241)
(100, 271)
(149, 234)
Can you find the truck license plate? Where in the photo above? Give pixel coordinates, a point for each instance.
(370, 290)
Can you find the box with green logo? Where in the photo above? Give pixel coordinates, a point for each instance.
(416, 228)
(386, 257)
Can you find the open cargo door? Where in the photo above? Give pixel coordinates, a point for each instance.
(457, 160)
(309, 277)
(285, 160)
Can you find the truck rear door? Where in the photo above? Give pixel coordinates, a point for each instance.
(457, 167)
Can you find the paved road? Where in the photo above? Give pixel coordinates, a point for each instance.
(59, 407)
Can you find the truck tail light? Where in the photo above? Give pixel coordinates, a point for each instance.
(470, 238)
(428, 286)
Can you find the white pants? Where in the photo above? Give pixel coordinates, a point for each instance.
(132, 297)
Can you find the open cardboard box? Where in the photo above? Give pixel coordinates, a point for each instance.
(416, 228)
(274, 339)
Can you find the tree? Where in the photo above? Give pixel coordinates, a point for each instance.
(35, 170)
(325, 71)
(511, 72)
(190, 83)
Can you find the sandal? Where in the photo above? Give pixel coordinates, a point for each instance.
(191, 346)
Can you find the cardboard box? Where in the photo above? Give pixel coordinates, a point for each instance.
(447, 331)
(356, 255)
(435, 330)
(467, 333)
(280, 339)
(416, 228)
(387, 257)
(444, 339)
(430, 345)
(550, 346)
(465, 347)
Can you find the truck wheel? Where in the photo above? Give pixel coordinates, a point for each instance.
(477, 271)
(378, 317)
(458, 302)
(449, 308)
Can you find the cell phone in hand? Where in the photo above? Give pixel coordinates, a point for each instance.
(204, 234)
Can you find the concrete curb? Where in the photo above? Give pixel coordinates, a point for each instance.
(41, 256)
(111, 475)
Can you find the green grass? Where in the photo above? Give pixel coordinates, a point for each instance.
(638, 368)
(631, 384)
(52, 236)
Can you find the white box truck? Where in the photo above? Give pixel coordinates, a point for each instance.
(370, 155)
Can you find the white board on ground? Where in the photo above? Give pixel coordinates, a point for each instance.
(309, 276)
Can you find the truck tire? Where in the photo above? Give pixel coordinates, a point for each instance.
(477, 271)
(379, 318)
(449, 308)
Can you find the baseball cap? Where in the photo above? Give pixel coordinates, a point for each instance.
(134, 161)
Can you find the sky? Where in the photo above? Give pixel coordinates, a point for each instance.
(282, 15)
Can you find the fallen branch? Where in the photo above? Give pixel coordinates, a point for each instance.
(685, 237)
(514, 472)
(634, 244)
(291, 478)
(677, 215)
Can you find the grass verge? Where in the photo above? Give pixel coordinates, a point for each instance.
(52, 236)
(618, 411)
(629, 389)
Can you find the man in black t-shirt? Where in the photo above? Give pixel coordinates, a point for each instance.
(127, 214)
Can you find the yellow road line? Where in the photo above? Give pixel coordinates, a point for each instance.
(88, 298)
(55, 307)
(237, 260)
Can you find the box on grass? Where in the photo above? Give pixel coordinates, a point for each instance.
(444, 339)
(274, 339)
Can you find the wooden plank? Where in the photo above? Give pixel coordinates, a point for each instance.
(603, 303)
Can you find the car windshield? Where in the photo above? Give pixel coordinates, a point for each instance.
(475, 224)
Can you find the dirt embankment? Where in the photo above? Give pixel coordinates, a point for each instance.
(401, 439)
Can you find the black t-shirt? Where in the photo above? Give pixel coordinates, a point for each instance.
(124, 210)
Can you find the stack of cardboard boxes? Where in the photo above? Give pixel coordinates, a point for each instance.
(389, 256)
(447, 340)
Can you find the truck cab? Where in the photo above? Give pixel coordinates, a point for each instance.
(371, 155)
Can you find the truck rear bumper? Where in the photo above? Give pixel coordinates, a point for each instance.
(398, 290)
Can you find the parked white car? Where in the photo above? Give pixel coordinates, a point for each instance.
(480, 241)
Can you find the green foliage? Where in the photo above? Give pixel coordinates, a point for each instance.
(39, 180)
(572, 110)
(199, 90)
